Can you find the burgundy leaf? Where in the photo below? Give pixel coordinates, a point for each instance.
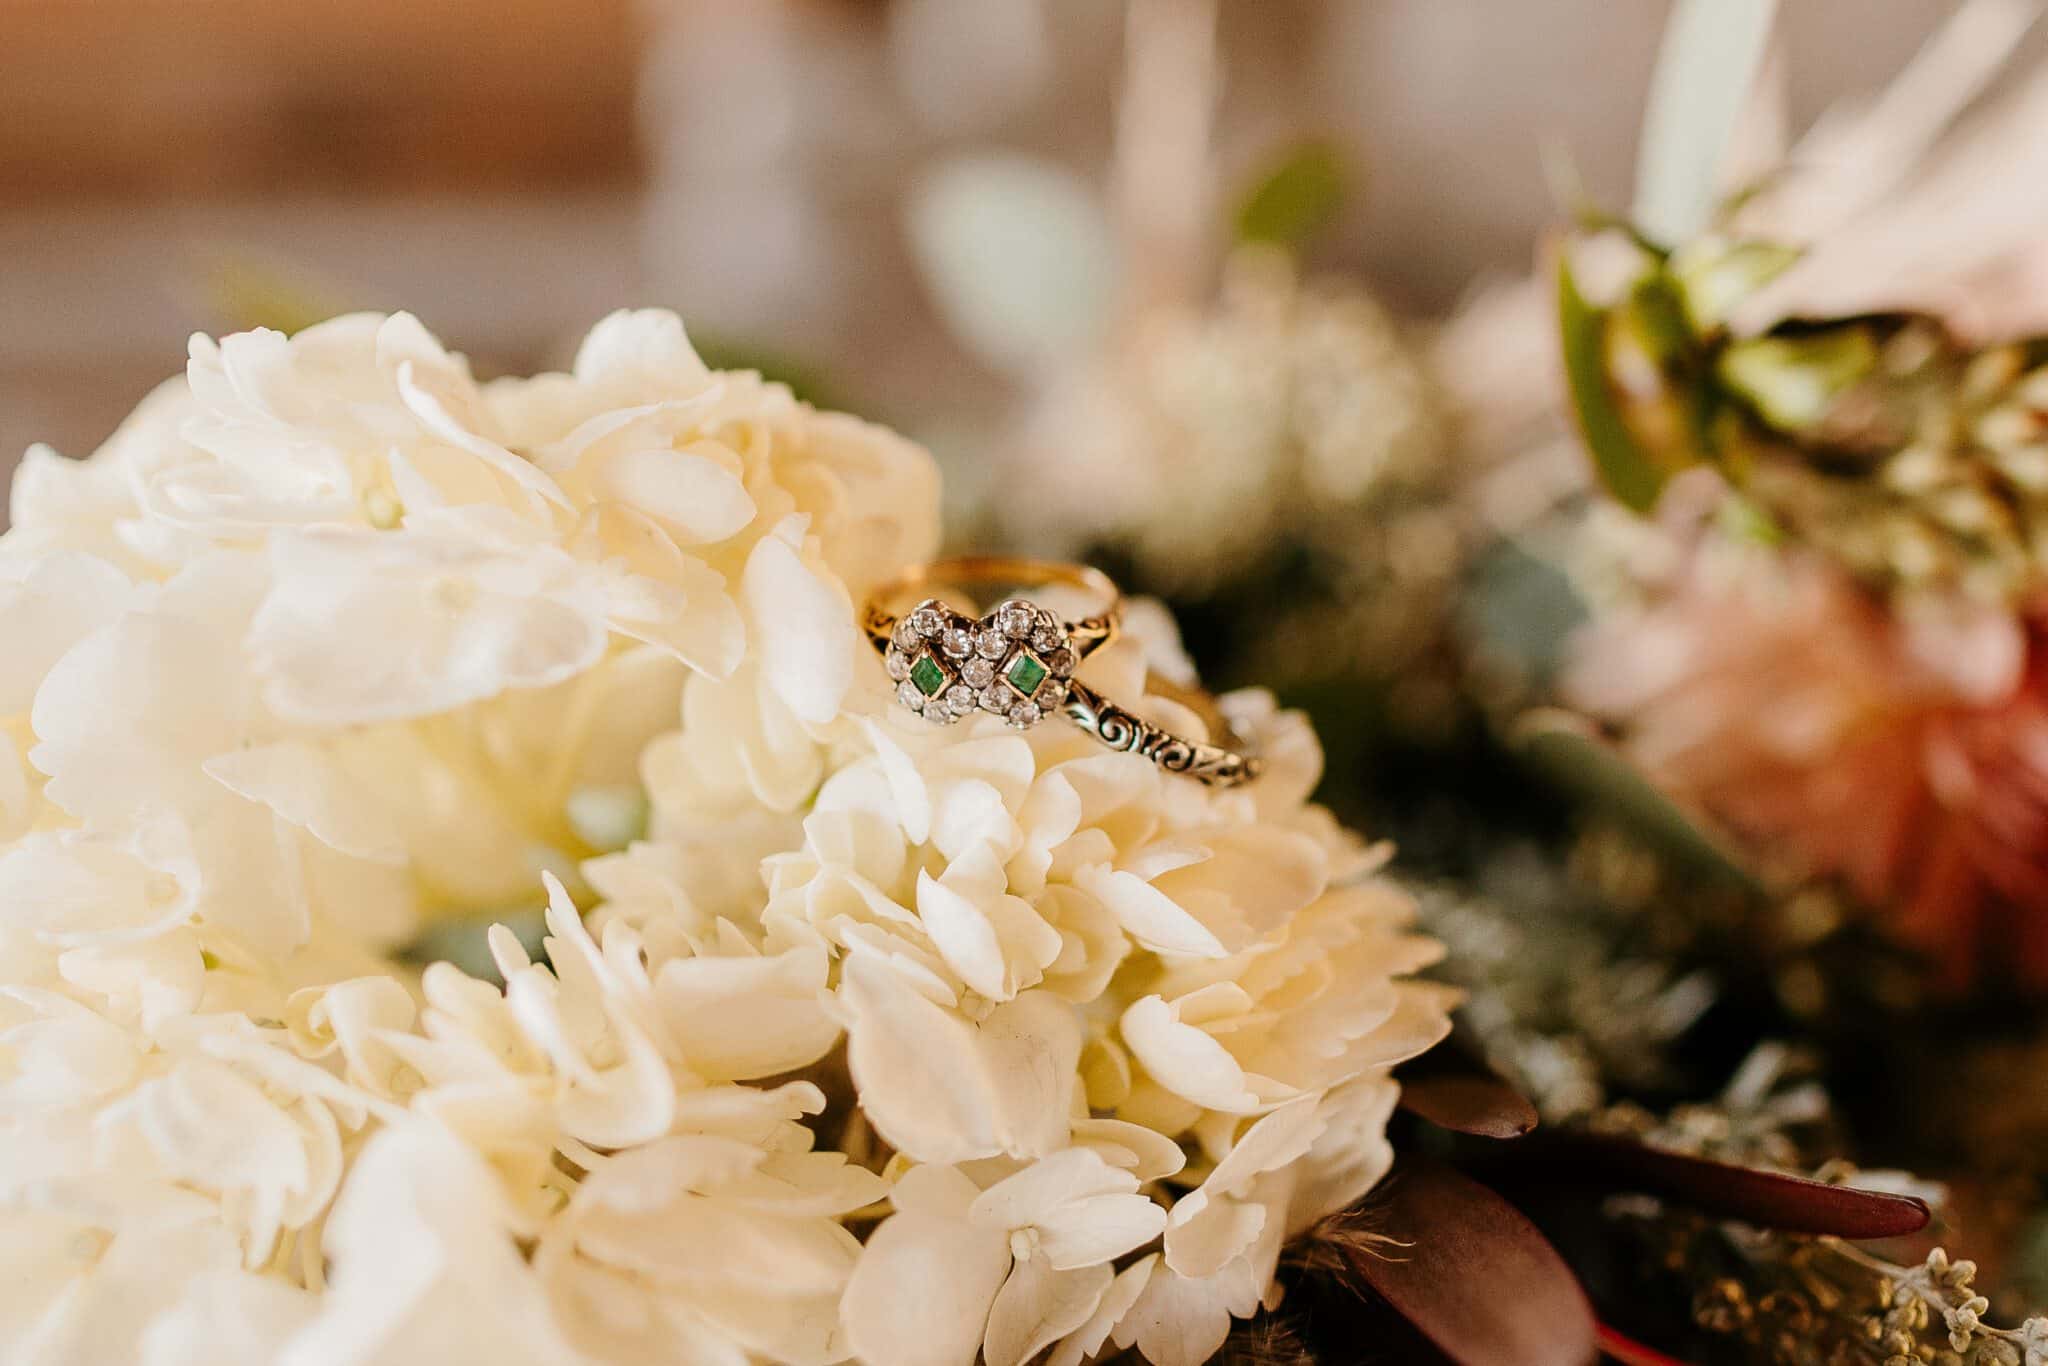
(1471, 1274)
(1766, 1199)
(1629, 1352)
(1477, 1104)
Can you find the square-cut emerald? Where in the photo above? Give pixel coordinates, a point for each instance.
(927, 675)
(1026, 673)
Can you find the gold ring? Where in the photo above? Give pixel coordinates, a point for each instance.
(1018, 660)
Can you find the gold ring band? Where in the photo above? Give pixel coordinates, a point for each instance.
(1085, 635)
(1018, 660)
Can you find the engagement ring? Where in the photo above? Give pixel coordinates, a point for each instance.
(1018, 660)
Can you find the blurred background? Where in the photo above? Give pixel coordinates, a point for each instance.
(511, 169)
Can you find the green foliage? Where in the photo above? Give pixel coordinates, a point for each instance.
(1713, 275)
(1793, 381)
(1628, 472)
(1295, 199)
(245, 292)
(1567, 751)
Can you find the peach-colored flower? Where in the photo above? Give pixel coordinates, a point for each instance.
(1904, 752)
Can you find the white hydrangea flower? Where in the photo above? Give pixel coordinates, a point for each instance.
(1009, 1270)
(880, 1043)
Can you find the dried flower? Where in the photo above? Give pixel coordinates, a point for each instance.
(1283, 435)
(1565, 999)
(1214, 431)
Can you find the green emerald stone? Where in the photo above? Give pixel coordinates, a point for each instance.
(927, 675)
(1026, 673)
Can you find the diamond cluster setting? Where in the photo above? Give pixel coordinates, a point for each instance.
(1013, 663)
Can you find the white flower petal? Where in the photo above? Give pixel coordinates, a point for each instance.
(934, 1188)
(1036, 1195)
(1038, 1306)
(658, 594)
(144, 698)
(1176, 1321)
(1146, 1153)
(1254, 880)
(1184, 1059)
(920, 1294)
(1087, 1340)
(694, 495)
(72, 888)
(210, 1127)
(63, 597)
(1149, 916)
(303, 786)
(227, 1318)
(64, 1055)
(943, 1088)
(743, 1018)
(17, 802)
(1351, 1154)
(646, 348)
(424, 1267)
(966, 938)
(801, 626)
(375, 626)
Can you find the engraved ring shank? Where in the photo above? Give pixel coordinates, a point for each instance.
(1120, 730)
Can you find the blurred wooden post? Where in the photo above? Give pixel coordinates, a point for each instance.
(154, 97)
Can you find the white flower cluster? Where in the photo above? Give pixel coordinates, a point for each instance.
(880, 1042)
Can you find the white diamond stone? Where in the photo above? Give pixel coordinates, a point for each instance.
(909, 696)
(905, 634)
(1015, 619)
(960, 699)
(991, 643)
(926, 621)
(898, 665)
(1047, 637)
(1062, 662)
(979, 672)
(1024, 714)
(957, 642)
(997, 698)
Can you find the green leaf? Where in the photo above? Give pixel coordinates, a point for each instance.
(1793, 382)
(1629, 473)
(1019, 255)
(465, 941)
(1295, 199)
(1571, 753)
(245, 292)
(1714, 275)
(803, 379)
(1659, 320)
(1520, 608)
(1741, 520)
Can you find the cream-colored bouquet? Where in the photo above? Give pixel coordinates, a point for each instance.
(851, 1038)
